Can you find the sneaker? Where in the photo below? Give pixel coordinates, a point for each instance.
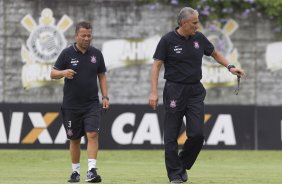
(92, 176)
(176, 181)
(75, 177)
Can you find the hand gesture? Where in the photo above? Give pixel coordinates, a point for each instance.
(69, 73)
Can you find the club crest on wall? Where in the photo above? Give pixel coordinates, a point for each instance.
(215, 75)
(43, 46)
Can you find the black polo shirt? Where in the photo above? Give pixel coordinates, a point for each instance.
(182, 56)
(81, 91)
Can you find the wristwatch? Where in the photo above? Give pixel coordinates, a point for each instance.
(105, 97)
(230, 66)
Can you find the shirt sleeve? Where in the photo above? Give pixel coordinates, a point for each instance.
(161, 50)
(60, 63)
(209, 48)
(102, 66)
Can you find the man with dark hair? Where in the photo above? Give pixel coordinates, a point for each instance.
(80, 65)
(181, 51)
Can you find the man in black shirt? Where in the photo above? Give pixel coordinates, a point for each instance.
(81, 65)
(181, 51)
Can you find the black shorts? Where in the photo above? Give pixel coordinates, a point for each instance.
(78, 122)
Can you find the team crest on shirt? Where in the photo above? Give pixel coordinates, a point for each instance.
(93, 59)
(196, 45)
(69, 132)
(172, 103)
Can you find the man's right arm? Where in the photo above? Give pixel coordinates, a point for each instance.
(153, 98)
(59, 69)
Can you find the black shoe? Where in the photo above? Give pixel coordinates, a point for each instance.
(75, 177)
(92, 176)
(184, 175)
(176, 181)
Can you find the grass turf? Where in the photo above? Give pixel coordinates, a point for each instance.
(141, 167)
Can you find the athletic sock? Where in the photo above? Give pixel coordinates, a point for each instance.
(75, 167)
(91, 164)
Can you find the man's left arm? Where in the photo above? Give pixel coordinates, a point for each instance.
(218, 56)
(104, 90)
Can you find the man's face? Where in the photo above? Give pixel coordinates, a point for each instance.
(192, 25)
(83, 38)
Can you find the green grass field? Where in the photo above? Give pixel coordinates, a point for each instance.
(141, 167)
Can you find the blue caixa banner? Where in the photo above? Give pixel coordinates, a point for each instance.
(39, 126)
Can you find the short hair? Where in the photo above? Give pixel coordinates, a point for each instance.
(82, 24)
(185, 14)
